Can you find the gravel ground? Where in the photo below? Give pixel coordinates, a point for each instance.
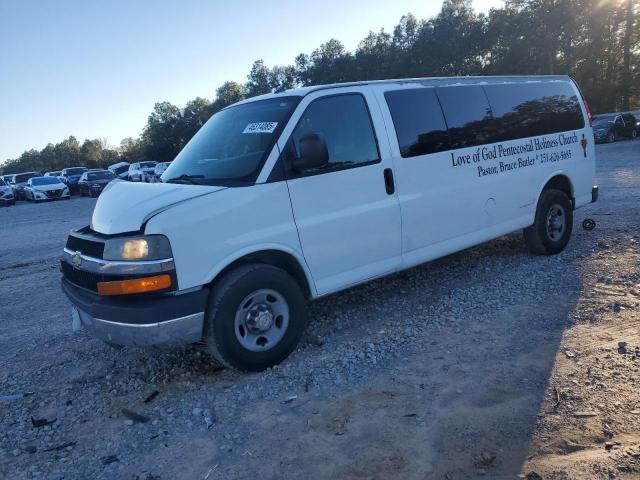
(474, 365)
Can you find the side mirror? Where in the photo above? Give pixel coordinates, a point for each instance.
(313, 153)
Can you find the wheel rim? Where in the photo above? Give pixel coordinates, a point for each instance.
(556, 222)
(261, 320)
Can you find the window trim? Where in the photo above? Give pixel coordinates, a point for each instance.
(290, 174)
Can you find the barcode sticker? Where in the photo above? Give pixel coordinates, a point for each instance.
(261, 127)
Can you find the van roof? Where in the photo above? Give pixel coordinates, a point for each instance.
(426, 81)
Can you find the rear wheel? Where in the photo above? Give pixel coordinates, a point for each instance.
(255, 317)
(553, 224)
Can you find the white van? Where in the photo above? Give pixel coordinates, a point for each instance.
(287, 197)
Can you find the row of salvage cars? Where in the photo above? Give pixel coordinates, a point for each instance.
(54, 185)
(35, 187)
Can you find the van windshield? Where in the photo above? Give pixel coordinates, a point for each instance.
(232, 146)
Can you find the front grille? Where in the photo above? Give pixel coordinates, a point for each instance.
(53, 193)
(81, 278)
(90, 248)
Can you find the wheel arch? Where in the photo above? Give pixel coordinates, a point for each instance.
(274, 255)
(559, 181)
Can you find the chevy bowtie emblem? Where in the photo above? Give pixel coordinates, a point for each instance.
(76, 259)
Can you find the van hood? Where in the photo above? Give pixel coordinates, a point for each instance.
(126, 206)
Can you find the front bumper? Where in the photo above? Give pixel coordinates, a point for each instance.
(141, 321)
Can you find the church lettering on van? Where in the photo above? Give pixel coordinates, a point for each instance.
(525, 152)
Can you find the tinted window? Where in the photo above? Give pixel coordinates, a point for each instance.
(468, 115)
(148, 164)
(75, 170)
(530, 109)
(23, 177)
(99, 175)
(44, 181)
(2, 184)
(344, 123)
(629, 119)
(603, 120)
(418, 121)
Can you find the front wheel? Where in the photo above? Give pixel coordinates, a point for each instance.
(553, 224)
(634, 134)
(611, 137)
(255, 317)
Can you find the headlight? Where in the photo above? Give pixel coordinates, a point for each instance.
(149, 247)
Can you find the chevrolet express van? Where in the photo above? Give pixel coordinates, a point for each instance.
(288, 197)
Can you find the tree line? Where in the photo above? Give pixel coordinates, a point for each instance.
(596, 42)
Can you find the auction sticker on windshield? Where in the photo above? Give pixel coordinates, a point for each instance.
(261, 127)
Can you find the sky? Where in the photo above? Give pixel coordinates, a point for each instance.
(94, 69)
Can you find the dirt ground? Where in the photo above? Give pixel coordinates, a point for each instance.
(491, 363)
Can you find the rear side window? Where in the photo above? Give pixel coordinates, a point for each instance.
(531, 109)
(418, 121)
(468, 115)
(344, 123)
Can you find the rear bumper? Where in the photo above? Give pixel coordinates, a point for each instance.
(140, 321)
(594, 194)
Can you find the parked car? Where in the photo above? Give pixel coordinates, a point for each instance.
(141, 171)
(92, 182)
(120, 170)
(18, 182)
(292, 196)
(612, 126)
(6, 193)
(636, 115)
(56, 173)
(70, 177)
(158, 171)
(46, 188)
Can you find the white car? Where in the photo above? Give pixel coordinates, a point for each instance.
(46, 188)
(120, 170)
(6, 193)
(289, 197)
(158, 171)
(141, 171)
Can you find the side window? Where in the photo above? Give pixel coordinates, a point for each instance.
(619, 121)
(418, 121)
(468, 115)
(344, 123)
(531, 109)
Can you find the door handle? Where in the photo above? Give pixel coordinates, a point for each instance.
(388, 181)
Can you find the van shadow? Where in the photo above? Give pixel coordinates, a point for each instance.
(463, 396)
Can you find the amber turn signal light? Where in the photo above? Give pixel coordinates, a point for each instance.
(136, 285)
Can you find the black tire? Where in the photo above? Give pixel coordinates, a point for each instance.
(225, 300)
(634, 134)
(611, 137)
(545, 237)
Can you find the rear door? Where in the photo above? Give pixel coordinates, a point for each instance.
(347, 215)
(442, 194)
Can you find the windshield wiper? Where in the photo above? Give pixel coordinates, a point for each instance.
(186, 179)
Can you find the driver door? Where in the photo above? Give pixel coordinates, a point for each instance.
(347, 212)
